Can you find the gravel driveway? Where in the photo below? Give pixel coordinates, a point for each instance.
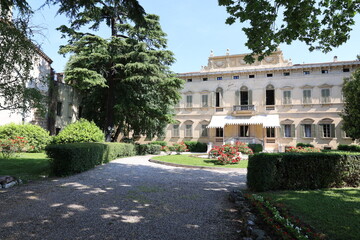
(129, 198)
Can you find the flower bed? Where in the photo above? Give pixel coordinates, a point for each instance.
(302, 149)
(229, 154)
(9, 147)
(280, 222)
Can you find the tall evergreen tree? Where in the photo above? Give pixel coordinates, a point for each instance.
(125, 80)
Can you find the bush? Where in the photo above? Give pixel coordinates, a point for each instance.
(194, 146)
(117, 150)
(255, 147)
(302, 150)
(350, 148)
(36, 136)
(299, 171)
(78, 132)
(144, 149)
(180, 147)
(71, 158)
(226, 154)
(161, 143)
(9, 147)
(303, 145)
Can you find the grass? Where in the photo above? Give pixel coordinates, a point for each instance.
(27, 166)
(197, 161)
(334, 212)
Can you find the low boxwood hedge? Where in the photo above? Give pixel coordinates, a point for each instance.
(256, 147)
(300, 171)
(195, 146)
(144, 149)
(350, 148)
(71, 158)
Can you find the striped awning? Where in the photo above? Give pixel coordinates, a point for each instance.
(265, 120)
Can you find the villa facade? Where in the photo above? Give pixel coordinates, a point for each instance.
(272, 102)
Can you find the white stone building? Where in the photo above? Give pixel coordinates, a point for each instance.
(272, 102)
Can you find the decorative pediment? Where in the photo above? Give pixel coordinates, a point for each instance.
(307, 121)
(326, 121)
(287, 121)
(307, 87)
(325, 86)
(188, 93)
(205, 92)
(287, 88)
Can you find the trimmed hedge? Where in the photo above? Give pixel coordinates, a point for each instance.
(71, 158)
(300, 171)
(194, 146)
(256, 147)
(303, 145)
(34, 134)
(350, 148)
(161, 143)
(144, 149)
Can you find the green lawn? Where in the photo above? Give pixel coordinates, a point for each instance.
(28, 166)
(334, 212)
(197, 161)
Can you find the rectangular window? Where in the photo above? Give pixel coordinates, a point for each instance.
(306, 72)
(251, 76)
(307, 130)
(269, 75)
(324, 71)
(188, 130)
(189, 101)
(204, 131)
(346, 70)
(58, 108)
(286, 74)
(205, 79)
(287, 130)
(80, 111)
(204, 101)
(57, 130)
(287, 97)
(270, 132)
(325, 95)
(219, 78)
(176, 132)
(326, 130)
(243, 131)
(217, 103)
(219, 132)
(307, 96)
(236, 77)
(189, 80)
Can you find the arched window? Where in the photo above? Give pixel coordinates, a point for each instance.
(307, 128)
(270, 95)
(326, 128)
(218, 97)
(287, 129)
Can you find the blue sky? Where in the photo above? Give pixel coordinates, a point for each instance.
(194, 28)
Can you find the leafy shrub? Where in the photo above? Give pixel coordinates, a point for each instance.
(255, 147)
(117, 150)
(36, 136)
(161, 143)
(303, 145)
(144, 149)
(294, 171)
(226, 154)
(70, 158)
(195, 146)
(180, 147)
(350, 148)
(9, 147)
(243, 148)
(302, 150)
(80, 131)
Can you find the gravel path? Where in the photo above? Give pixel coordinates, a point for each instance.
(129, 198)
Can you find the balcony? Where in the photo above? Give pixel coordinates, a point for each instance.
(243, 109)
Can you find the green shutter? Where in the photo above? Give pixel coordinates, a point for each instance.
(237, 97)
(301, 130)
(212, 99)
(282, 130)
(250, 97)
(292, 130)
(313, 130)
(332, 130)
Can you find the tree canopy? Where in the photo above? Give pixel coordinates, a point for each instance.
(321, 24)
(351, 111)
(126, 76)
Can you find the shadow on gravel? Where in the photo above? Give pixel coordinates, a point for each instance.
(123, 201)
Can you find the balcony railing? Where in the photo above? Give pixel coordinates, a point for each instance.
(244, 108)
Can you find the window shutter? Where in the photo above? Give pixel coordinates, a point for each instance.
(250, 97)
(313, 130)
(212, 99)
(301, 130)
(282, 130)
(332, 130)
(237, 97)
(292, 130)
